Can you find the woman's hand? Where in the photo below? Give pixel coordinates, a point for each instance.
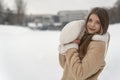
(77, 41)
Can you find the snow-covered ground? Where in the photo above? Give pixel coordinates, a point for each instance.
(33, 55)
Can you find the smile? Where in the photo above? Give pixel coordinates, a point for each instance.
(92, 29)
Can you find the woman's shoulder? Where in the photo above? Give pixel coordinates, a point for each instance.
(105, 37)
(97, 44)
(100, 42)
(96, 47)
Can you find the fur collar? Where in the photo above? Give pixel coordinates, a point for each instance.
(105, 37)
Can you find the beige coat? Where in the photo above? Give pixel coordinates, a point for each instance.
(87, 69)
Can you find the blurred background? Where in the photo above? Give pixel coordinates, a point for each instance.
(29, 37)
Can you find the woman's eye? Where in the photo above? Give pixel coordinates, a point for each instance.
(98, 22)
(90, 20)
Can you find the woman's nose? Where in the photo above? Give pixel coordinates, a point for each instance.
(92, 24)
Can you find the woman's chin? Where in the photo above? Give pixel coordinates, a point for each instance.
(90, 32)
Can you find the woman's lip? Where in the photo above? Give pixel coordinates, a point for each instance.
(91, 29)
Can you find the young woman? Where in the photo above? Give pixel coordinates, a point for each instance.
(84, 58)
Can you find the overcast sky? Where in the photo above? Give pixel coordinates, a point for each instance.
(53, 6)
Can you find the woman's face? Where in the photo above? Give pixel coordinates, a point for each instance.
(93, 24)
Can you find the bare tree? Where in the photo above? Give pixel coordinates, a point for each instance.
(1, 5)
(20, 8)
(118, 10)
(118, 3)
(2, 15)
(114, 13)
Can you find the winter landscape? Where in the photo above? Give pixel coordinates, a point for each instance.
(29, 37)
(27, 54)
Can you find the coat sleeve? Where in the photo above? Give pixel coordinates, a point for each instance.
(91, 63)
(62, 60)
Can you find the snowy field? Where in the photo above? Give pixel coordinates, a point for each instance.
(33, 55)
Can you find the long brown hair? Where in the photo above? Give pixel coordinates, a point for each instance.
(104, 20)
